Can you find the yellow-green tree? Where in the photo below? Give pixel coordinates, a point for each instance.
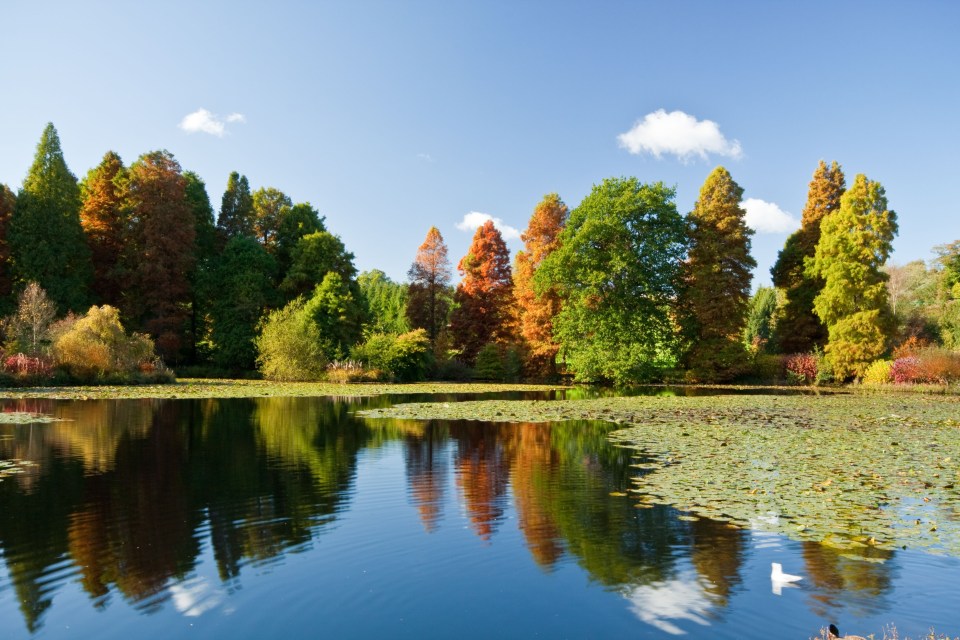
(855, 242)
(715, 293)
(798, 329)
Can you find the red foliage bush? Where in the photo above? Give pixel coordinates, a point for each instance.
(802, 366)
(24, 365)
(930, 365)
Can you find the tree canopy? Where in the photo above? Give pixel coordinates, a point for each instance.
(428, 295)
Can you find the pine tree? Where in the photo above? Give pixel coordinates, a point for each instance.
(716, 280)
(386, 302)
(104, 218)
(483, 297)
(8, 201)
(236, 209)
(163, 236)
(46, 239)
(855, 242)
(536, 310)
(798, 329)
(428, 296)
(203, 285)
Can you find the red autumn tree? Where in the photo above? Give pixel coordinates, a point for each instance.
(535, 312)
(104, 221)
(428, 297)
(162, 235)
(483, 297)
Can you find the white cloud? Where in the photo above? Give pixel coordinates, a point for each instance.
(679, 134)
(203, 121)
(767, 217)
(195, 596)
(473, 220)
(662, 603)
(426, 157)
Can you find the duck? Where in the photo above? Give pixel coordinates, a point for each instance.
(835, 634)
(777, 574)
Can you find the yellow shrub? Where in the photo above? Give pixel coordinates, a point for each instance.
(878, 372)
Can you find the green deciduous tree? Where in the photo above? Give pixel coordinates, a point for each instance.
(855, 242)
(105, 222)
(236, 209)
(290, 346)
(716, 280)
(536, 311)
(428, 296)
(162, 237)
(312, 258)
(484, 296)
(301, 220)
(243, 288)
(798, 329)
(386, 302)
(270, 207)
(47, 245)
(616, 271)
(28, 329)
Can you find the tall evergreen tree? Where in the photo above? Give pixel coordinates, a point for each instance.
(855, 242)
(386, 302)
(8, 201)
(236, 209)
(536, 310)
(163, 235)
(716, 277)
(46, 239)
(482, 300)
(104, 218)
(798, 329)
(428, 295)
(616, 272)
(203, 285)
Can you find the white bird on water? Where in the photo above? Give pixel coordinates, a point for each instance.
(779, 578)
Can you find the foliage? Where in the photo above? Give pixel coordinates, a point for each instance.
(28, 329)
(270, 207)
(404, 357)
(428, 295)
(386, 302)
(536, 310)
(337, 310)
(802, 367)
(912, 289)
(289, 346)
(798, 328)
(301, 220)
(759, 327)
(96, 346)
(715, 294)
(104, 218)
(202, 285)
(347, 371)
(928, 365)
(855, 242)
(236, 209)
(242, 289)
(162, 249)
(45, 235)
(879, 372)
(24, 366)
(8, 202)
(948, 293)
(499, 363)
(616, 272)
(482, 301)
(314, 256)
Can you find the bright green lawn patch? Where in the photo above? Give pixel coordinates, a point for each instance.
(203, 388)
(849, 470)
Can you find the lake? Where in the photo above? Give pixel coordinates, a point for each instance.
(294, 517)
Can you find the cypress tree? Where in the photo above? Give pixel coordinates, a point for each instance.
(428, 296)
(798, 329)
(8, 201)
(716, 279)
(104, 219)
(47, 245)
(236, 209)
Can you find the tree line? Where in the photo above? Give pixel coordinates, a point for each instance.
(621, 289)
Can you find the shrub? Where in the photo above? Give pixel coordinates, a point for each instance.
(825, 371)
(767, 369)
(498, 362)
(802, 367)
(342, 371)
(405, 357)
(452, 370)
(96, 346)
(22, 365)
(905, 370)
(878, 372)
(930, 365)
(290, 346)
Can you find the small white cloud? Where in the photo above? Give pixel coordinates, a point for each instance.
(474, 220)
(679, 134)
(767, 217)
(203, 121)
(426, 157)
(195, 596)
(661, 604)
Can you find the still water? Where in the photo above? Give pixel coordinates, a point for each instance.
(293, 517)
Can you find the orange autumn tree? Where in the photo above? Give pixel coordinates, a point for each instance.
(428, 298)
(484, 295)
(536, 311)
(104, 220)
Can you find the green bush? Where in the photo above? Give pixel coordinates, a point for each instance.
(406, 357)
(878, 372)
(290, 346)
(499, 363)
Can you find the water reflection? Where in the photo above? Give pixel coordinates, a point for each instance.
(126, 496)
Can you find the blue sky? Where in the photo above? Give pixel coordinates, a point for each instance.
(390, 117)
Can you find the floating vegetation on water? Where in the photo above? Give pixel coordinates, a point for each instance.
(204, 388)
(24, 417)
(850, 471)
(13, 467)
